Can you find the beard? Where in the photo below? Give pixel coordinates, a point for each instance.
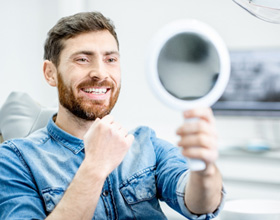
(86, 109)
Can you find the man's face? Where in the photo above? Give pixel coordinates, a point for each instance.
(89, 75)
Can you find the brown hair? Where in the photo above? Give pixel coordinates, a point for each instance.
(71, 26)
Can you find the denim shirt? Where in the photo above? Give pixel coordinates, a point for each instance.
(36, 171)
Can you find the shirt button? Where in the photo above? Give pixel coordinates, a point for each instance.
(105, 193)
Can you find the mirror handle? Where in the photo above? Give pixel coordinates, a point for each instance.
(195, 164)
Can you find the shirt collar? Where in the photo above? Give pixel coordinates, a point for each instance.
(67, 140)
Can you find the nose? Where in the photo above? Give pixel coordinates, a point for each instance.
(98, 70)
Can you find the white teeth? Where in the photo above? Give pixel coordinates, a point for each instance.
(95, 91)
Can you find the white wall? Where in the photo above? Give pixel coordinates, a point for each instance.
(23, 28)
(24, 25)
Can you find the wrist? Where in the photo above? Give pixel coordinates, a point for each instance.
(209, 171)
(93, 170)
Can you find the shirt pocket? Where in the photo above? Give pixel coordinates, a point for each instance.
(140, 187)
(51, 197)
(139, 192)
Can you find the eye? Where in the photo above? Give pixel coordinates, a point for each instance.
(111, 60)
(82, 60)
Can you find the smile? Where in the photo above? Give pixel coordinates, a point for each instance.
(95, 91)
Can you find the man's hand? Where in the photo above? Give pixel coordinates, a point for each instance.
(106, 144)
(198, 138)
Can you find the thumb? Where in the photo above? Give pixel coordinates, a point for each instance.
(129, 139)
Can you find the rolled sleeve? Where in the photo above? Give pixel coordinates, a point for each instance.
(180, 191)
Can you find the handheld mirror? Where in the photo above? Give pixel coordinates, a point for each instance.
(188, 67)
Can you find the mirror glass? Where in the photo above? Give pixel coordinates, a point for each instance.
(188, 66)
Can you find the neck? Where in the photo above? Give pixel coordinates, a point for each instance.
(71, 123)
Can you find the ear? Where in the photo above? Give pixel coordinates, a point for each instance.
(50, 73)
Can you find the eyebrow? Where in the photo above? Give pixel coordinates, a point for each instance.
(91, 53)
(113, 52)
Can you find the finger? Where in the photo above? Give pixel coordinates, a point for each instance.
(92, 127)
(108, 119)
(100, 124)
(209, 156)
(203, 113)
(200, 126)
(129, 139)
(201, 140)
(122, 131)
(116, 126)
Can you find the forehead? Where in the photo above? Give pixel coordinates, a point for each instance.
(95, 40)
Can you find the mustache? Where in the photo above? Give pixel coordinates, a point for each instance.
(96, 83)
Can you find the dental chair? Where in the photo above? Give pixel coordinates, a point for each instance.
(20, 115)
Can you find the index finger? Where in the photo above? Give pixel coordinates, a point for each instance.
(203, 113)
(109, 119)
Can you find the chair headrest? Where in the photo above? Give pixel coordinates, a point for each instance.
(20, 115)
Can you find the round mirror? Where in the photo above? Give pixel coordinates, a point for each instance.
(188, 67)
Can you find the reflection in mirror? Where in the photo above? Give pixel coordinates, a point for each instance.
(188, 66)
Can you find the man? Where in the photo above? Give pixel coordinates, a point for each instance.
(85, 165)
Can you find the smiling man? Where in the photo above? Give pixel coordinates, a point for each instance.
(85, 165)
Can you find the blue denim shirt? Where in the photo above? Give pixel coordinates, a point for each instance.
(36, 171)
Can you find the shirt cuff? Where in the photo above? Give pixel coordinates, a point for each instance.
(181, 186)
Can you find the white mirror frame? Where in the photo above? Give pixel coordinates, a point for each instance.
(206, 32)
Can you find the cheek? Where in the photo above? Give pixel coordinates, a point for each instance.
(118, 81)
(117, 78)
(68, 77)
